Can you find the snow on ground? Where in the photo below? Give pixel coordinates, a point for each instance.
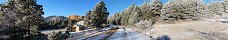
(215, 20)
(92, 34)
(104, 35)
(120, 34)
(77, 35)
(132, 35)
(195, 30)
(50, 31)
(128, 34)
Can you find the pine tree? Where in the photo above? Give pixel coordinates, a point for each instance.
(145, 5)
(21, 19)
(129, 12)
(115, 19)
(182, 10)
(217, 10)
(88, 19)
(226, 5)
(133, 14)
(98, 15)
(156, 5)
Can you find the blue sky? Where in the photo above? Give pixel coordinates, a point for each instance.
(80, 7)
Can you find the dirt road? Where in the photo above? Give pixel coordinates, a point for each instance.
(195, 30)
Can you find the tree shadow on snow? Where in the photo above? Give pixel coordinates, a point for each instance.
(164, 37)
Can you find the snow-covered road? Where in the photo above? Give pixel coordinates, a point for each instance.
(115, 34)
(119, 35)
(128, 34)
